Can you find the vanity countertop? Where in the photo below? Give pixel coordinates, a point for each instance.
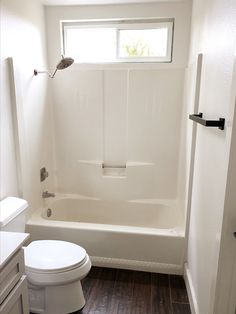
(10, 242)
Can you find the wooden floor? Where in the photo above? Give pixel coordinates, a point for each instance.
(116, 291)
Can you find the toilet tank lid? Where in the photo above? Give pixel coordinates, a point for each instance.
(11, 207)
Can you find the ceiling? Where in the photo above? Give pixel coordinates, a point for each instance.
(94, 2)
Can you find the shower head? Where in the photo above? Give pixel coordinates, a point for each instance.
(62, 64)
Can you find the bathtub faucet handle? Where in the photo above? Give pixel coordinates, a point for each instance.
(43, 174)
(47, 194)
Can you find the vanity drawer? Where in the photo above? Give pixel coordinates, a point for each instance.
(11, 274)
(17, 301)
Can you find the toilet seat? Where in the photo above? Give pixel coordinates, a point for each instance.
(53, 256)
(52, 262)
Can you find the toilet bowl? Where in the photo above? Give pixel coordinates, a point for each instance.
(53, 268)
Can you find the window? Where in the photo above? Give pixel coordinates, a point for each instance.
(118, 41)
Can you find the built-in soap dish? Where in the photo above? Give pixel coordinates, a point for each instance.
(114, 171)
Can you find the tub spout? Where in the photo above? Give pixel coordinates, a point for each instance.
(47, 194)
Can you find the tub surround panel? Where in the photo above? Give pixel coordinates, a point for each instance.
(126, 118)
(155, 109)
(78, 115)
(115, 115)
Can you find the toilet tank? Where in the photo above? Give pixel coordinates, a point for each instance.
(13, 214)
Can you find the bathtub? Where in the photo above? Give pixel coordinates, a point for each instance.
(146, 235)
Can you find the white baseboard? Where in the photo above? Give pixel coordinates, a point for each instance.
(137, 265)
(190, 290)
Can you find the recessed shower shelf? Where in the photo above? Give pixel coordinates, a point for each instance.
(91, 162)
(110, 170)
(139, 164)
(100, 163)
(114, 171)
(208, 123)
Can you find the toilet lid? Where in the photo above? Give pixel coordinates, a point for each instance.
(53, 255)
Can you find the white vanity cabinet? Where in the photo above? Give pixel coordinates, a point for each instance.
(13, 284)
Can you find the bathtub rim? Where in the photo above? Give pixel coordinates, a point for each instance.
(36, 219)
(151, 201)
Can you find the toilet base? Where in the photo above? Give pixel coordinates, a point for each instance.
(60, 299)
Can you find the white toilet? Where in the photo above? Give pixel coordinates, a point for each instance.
(53, 268)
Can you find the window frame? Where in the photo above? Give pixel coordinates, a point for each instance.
(121, 24)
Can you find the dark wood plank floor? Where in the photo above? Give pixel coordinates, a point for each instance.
(117, 291)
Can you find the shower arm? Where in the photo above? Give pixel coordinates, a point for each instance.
(36, 72)
(52, 75)
(63, 64)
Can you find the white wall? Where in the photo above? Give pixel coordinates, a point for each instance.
(119, 113)
(23, 39)
(180, 11)
(213, 34)
(226, 280)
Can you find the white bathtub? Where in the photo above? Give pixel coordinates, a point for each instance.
(143, 235)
